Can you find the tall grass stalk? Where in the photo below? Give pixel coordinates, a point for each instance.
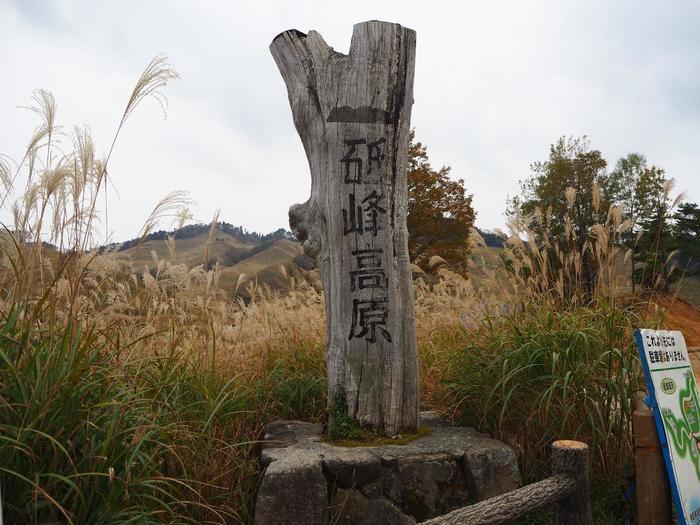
(557, 360)
(130, 395)
(137, 394)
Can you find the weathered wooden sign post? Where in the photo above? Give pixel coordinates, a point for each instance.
(353, 114)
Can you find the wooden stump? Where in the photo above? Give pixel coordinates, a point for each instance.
(571, 457)
(352, 113)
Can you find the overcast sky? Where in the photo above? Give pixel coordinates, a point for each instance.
(495, 84)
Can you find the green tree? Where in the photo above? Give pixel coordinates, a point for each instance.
(622, 189)
(627, 187)
(686, 232)
(655, 241)
(643, 193)
(571, 164)
(440, 213)
(567, 190)
(652, 193)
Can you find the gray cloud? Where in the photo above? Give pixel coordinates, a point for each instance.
(496, 83)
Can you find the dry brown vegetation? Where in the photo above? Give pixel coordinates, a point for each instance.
(136, 392)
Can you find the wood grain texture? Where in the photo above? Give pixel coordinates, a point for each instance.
(512, 505)
(654, 504)
(571, 458)
(352, 113)
(567, 491)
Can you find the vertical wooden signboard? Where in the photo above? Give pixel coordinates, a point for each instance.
(352, 113)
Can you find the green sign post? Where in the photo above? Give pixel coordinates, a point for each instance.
(673, 397)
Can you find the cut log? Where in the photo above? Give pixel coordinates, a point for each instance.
(571, 457)
(510, 506)
(352, 113)
(567, 490)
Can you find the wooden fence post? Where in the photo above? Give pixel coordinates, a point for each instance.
(653, 490)
(567, 490)
(571, 457)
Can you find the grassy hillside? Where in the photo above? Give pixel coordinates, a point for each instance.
(251, 262)
(277, 267)
(246, 262)
(223, 247)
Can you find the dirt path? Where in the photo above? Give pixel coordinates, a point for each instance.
(680, 316)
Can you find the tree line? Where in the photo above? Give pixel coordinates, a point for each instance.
(660, 231)
(573, 189)
(563, 197)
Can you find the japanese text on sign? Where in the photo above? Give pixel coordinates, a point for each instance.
(364, 217)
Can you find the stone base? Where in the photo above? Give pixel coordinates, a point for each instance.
(307, 481)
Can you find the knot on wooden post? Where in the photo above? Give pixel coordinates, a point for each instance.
(299, 222)
(353, 114)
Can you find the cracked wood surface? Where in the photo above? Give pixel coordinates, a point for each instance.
(352, 113)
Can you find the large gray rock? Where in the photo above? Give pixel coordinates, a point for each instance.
(387, 485)
(281, 434)
(293, 490)
(491, 468)
(432, 475)
(349, 507)
(351, 467)
(432, 484)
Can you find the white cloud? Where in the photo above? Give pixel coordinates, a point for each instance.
(496, 83)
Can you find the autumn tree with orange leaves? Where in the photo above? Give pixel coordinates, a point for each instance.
(440, 213)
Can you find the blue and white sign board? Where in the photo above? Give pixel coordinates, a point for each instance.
(673, 397)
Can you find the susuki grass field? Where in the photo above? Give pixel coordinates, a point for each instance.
(134, 396)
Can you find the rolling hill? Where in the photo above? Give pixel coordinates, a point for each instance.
(248, 260)
(275, 260)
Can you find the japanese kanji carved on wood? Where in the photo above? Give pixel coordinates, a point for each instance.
(353, 113)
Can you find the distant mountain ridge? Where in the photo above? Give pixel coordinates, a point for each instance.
(276, 259)
(193, 230)
(246, 259)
